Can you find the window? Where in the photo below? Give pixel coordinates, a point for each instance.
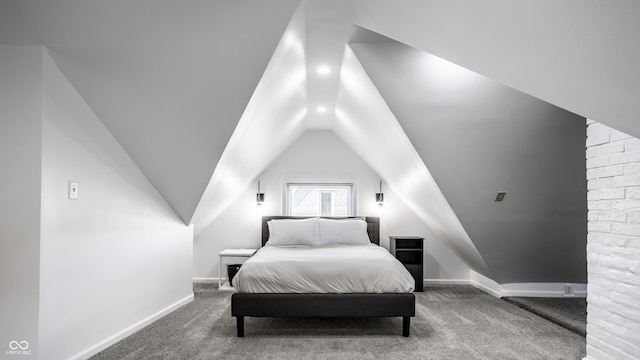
(320, 199)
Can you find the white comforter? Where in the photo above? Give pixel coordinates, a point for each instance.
(338, 269)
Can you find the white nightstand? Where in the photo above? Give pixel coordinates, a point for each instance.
(231, 256)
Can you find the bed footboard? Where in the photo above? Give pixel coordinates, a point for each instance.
(323, 305)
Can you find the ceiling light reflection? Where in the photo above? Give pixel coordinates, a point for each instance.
(323, 70)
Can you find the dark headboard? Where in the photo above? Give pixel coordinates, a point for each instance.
(373, 225)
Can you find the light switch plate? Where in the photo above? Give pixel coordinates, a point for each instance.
(73, 190)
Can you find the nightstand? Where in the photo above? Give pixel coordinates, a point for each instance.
(231, 256)
(409, 251)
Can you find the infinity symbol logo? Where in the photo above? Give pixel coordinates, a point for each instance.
(23, 345)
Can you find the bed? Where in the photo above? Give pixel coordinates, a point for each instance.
(321, 304)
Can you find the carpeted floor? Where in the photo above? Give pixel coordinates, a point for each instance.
(452, 322)
(570, 313)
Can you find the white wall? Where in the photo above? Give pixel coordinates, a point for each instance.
(319, 156)
(117, 256)
(613, 244)
(20, 160)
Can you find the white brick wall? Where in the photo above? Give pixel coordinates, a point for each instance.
(613, 244)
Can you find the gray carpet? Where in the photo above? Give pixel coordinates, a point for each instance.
(452, 322)
(570, 313)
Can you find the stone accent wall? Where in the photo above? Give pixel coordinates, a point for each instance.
(613, 244)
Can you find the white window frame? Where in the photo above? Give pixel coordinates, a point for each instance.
(351, 206)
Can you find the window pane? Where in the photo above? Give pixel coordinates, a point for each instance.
(326, 203)
(319, 199)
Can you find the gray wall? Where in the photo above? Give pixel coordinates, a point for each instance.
(478, 137)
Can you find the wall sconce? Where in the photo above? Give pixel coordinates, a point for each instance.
(380, 196)
(259, 195)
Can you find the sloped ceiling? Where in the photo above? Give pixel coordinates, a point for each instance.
(274, 118)
(169, 79)
(580, 55)
(365, 122)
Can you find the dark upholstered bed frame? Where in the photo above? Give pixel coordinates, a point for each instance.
(324, 305)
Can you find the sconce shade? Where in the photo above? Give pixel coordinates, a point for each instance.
(259, 195)
(380, 196)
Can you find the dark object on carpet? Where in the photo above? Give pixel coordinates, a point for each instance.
(570, 313)
(232, 270)
(452, 322)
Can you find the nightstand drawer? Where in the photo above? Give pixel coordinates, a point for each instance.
(233, 259)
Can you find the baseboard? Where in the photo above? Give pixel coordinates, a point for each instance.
(206, 280)
(445, 281)
(485, 284)
(130, 330)
(554, 290)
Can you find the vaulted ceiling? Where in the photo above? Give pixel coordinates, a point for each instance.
(169, 79)
(203, 95)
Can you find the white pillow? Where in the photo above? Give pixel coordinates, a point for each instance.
(292, 232)
(342, 232)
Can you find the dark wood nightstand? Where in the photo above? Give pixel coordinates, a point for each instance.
(409, 251)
